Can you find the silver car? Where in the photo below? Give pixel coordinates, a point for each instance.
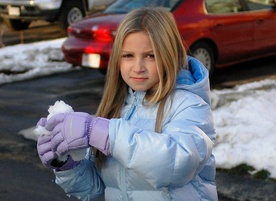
(18, 15)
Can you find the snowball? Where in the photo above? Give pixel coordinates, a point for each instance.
(61, 107)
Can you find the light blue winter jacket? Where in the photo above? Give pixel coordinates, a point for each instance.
(175, 165)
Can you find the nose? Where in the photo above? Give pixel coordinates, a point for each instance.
(139, 65)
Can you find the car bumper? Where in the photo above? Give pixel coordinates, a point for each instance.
(41, 4)
(25, 10)
(86, 54)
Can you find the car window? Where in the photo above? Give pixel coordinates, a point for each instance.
(259, 4)
(223, 6)
(125, 6)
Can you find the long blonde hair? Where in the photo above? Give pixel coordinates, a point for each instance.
(169, 53)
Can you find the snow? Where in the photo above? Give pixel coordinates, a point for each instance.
(245, 123)
(35, 59)
(244, 116)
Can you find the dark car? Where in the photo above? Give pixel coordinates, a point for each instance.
(218, 33)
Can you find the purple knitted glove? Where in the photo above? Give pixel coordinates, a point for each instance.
(49, 158)
(77, 130)
(99, 137)
(42, 122)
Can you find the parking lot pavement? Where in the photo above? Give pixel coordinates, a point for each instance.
(25, 181)
(241, 188)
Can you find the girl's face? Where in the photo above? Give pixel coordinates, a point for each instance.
(138, 65)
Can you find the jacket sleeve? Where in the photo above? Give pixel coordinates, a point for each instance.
(173, 157)
(83, 181)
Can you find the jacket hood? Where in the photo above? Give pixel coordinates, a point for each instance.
(195, 80)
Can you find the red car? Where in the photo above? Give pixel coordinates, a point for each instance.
(217, 32)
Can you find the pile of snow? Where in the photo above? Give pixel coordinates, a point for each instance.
(26, 61)
(244, 116)
(245, 123)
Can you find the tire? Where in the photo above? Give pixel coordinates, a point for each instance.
(71, 11)
(205, 54)
(15, 24)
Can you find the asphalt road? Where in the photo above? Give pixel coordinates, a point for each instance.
(23, 178)
(21, 105)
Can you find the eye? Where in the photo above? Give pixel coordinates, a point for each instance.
(127, 55)
(150, 56)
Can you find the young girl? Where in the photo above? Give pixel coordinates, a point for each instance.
(153, 133)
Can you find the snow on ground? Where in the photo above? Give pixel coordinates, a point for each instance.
(245, 123)
(35, 59)
(244, 116)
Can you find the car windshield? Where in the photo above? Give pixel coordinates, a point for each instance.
(125, 6)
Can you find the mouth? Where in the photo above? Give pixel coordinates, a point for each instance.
(139, 79)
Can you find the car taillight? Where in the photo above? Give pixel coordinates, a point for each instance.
(103, 35)
(94, 33)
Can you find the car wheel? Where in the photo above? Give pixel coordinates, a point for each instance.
(15, 24)
(204, 53)
(71, 11)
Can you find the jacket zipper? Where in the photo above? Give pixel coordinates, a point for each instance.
(132, 108)
(123, 171)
